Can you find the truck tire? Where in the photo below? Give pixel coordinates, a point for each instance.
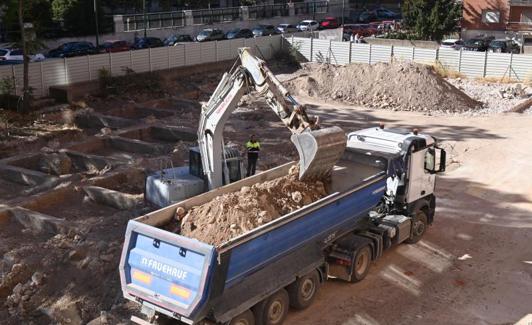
(419, 227)
(303, 290)
(273, 310)
(246, 318)
(361, 264)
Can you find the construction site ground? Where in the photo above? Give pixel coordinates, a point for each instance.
(68, 189)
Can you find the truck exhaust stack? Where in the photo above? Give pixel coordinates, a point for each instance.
(319, 151)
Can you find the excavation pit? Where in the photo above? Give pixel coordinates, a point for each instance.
(120, 148)
(61, 163)
(157, 134)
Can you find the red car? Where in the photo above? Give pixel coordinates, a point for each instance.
(329, 23)
(114, 46)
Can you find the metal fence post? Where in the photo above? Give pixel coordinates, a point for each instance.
(149, 58)
(485, 64)
(14, 77)
(350, 52)
(215, 51)
(413, 53)
(131, 60)
(89, 66)
(370, 49)
(110, 64)
(66, 70)
(168, 55)
(43, 89)
(311, 48)
(437, 54)
(511, 63)
(460, 61)
(391, 53)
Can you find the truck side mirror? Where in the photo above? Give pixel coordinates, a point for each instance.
(435, 160)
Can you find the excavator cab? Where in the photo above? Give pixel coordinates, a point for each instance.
(232, 165)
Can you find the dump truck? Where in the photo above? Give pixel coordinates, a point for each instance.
(381, 194)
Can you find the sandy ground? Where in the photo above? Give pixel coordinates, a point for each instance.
(474, 265)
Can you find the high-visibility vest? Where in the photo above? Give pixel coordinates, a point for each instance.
(253, 146)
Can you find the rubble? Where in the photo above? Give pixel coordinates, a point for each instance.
(403, 86)
(233, 214)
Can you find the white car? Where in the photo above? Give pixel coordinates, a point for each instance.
(16, 55)
(452, 43)
(307, 25)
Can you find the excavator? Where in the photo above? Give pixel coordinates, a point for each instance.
(212, 164)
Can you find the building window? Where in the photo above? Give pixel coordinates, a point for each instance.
(491, 16)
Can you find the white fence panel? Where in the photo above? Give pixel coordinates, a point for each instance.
(159, 58)
(340, 53)
(321, 50)
(98, 62)
(380, 53)
(472, 64)
(449, 59)
(177, 56)
(426, 56)
(6, 72)
(192, 53)
(53, 73)
(360, 53)
(498, 65)
(120, 63)
(77, 69)
(276, 42)
(227, 50)
(403, 53)
(208, 52)
(303, 46)
(34, 76)
(140, 60)
(522, 67)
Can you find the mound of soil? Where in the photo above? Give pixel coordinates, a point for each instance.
(404, 86)
(232, 214)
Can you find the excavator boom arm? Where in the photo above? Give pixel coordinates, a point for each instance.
(319, 149)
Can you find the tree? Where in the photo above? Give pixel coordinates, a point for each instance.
(38, 12)
(431, 19)
(77, 16)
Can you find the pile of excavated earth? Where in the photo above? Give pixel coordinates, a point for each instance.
(403, 86)
(233, 214)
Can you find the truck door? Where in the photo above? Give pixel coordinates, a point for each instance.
(420, 180)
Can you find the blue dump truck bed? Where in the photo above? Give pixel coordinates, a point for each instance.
(190, 280)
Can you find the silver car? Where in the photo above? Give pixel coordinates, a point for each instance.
(286, 28)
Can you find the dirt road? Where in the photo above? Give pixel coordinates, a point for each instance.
(474, 265)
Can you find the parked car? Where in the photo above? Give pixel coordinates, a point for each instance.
(71, 49)
(477, 44)
(13, 54)
(452, 43)
(367, 16)
(264, 30)
(286, 28)
(146, 43)
(383, 13)
(210, 34)
(307, 25)
(113, 46)
(173, 40)
(504, 46)
(239, 33)
(329, 23)
(364, 30)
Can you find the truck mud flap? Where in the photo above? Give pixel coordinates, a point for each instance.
(165, 270)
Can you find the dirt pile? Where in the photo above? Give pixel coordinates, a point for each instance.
(401, 86)
(233, 214)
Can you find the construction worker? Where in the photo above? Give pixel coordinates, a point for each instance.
(253, 148)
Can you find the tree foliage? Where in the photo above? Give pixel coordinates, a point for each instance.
(38, 12)
(77, 16)
(431, 19)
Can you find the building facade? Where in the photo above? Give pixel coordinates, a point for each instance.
(498, 18)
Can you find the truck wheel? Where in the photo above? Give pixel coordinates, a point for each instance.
(419, 226)
(303, 290)
(246, 318)
(361, 264)
(274, 309)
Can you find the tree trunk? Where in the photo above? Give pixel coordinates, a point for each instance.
(25, 89)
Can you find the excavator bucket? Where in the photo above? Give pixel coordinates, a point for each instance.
(319, 151)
